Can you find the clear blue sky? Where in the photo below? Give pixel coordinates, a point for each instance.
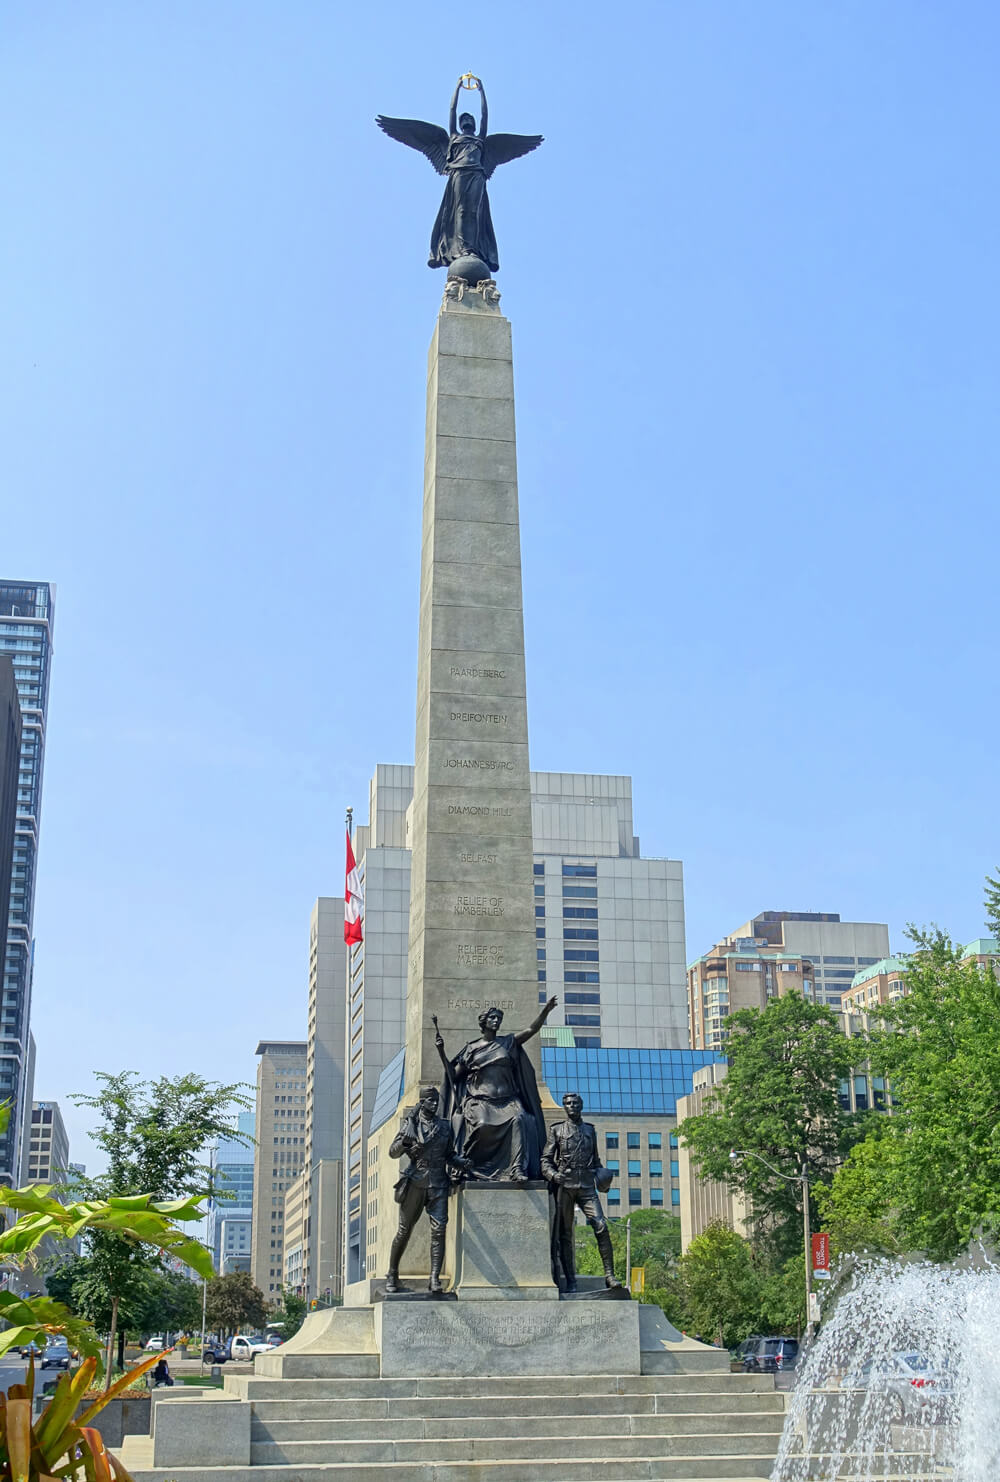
(752, 278)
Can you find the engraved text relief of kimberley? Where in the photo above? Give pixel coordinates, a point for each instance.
(472, 930)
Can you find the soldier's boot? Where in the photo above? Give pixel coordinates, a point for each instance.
(395, 1256)
(607, 1256)
(437, 1260)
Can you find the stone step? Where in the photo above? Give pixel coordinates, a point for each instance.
(500, 1447)
(509, 1407)
(466, 1426)
(492, 1388)
(596, 1469)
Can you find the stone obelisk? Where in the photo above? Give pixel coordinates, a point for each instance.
(472, 923)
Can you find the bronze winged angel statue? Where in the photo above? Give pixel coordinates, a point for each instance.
(464, 228)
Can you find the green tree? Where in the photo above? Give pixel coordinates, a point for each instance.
(859, 1210)
(780, 1102)
(234, 1304)
(290, 1312)
(154, 1135)
(931, 1180)
(656, 1245)
(723, 1294)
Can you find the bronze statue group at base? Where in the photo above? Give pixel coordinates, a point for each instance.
(493, 1130)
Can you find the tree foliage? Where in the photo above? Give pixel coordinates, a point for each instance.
(780, 1102)
(721, 1287)
(291, 1312)
(656, 1245)
(154, 1136)
(235, 1304)
(930, 1181)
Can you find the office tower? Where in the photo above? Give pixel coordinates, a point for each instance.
(230, 1210)
(609, 941)
(313, 1223)
(279, 1154)
(48, 1156)
(26, 618)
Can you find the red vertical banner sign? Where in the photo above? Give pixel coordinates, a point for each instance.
(821, 1252)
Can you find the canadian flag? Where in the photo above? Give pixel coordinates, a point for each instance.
(353, 901)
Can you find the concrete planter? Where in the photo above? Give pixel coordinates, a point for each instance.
(129, 1415)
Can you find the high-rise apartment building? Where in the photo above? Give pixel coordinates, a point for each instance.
(815, 953)
(230, 1210)
(10, 768)
(609, 930)
(26, 619)
(836, 949)
(279, 1154)
(48, 1146)
(313, 1261)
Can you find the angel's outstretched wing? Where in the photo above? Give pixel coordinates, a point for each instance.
(426, 137)
(502, 148)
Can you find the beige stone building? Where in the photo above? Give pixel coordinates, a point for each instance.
(280, 1153)
(702, 1201)
(882, 983)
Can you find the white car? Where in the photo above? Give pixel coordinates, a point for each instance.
(246, 1348)
(156, 1343)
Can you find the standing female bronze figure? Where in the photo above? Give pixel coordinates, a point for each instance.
(464, 227)
(491, 1097)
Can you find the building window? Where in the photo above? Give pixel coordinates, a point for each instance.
(614, 1196)
(539, 869)
(575, 977)
(656, 1196)
(633, 1140)
(612, 1164)
(673, 1139)
(635, 1196)
(580, 892)
(634, 1168)
(590, 1020)
(611, 1139)
(748, 967)
(539, 911)
(655, 1139)
(675, 1196)
(579, 869)
(655, 1168)
(576, 954)
(674, 1169)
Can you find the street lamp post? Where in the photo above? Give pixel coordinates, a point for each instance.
(801, 1178)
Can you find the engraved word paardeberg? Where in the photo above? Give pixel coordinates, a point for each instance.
(473, 673)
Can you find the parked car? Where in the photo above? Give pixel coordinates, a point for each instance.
(918, 1393)
(746, 1348)
(245, 1347)
(274, 1340)
(772, 1356)
(55, 1354)
(156, 1343)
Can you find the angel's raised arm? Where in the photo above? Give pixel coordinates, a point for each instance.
(482, 120)
(453, 110)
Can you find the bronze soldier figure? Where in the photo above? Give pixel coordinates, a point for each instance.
(424, 1183)
(573, 1170)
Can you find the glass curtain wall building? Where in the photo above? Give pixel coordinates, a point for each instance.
(230, 1211)
(26, 619)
